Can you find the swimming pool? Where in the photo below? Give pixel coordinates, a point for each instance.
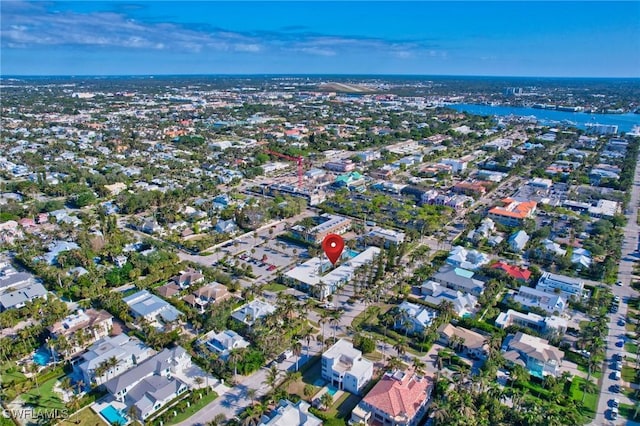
(42, 357)
(332, 390)
(113, 416)
(352, 253)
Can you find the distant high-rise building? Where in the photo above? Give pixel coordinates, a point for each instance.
(513, 91)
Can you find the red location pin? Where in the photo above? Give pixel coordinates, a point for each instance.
(333, 245)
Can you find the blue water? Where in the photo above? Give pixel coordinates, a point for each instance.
(352, 253)
(624, 121)
(113, 416)
(331, 390)
(42, 357)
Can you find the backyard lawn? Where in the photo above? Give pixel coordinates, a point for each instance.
(43, 396)
(190, 411)
(84, 417)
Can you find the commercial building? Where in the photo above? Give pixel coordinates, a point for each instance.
(309, 276)
(512, 213)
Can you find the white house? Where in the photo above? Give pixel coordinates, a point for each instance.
(252, 311)
(415, 318)
(345, 368)
(435, 294)
(224, 342)
(518, 241)
(152, 384)
(288, 414)
(568, 286)
(532, 297)
(460, 257)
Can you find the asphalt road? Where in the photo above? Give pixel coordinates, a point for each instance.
(616, 333)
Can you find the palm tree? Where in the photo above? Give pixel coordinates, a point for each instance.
(132, 412)
(33, 369)
(326, 400)
(198, 381)
(251, 394)
(234, 357)
(297, 350)
(587, 386)
(400, 347)
(75, 406)
(439, 412)
(419, 365)
(308, 336)
(272, 376)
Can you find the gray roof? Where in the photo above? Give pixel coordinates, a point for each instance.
(21, 295)
(144, 304)
(155, 364)
(460, 277)
(145, 394)
(10, 278)
(120, 347)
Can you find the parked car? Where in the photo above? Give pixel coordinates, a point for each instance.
(619, 283)
(615, 388)
(614, 402)
(620, 343)
(616, 376)
(613, 413)
(621, 322)
(617, 366)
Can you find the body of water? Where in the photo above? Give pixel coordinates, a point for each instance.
(625, 122)
(113, 416)
(42, 357)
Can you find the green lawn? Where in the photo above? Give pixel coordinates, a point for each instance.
(629, 374)
(190, 411)
(595, 374)
(631, 347)
(84, 417)
(43, 397)
(275, 287)
(590, 400)
(627, 411)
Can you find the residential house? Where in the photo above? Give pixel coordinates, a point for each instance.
(435, 294)
(486, 228)
(545, 325)
(168, 290)
(18, 297)
(124, 351)
(206, 295)
(518, 241)
(226, 226)
(11, 278)
(553, 248)
(581, 257)
(568, 286)
(151, 226)
(534, 298)
(345, 368)
(512, 213)
(466, 341)
(461, 257)
(533, 353)
(187, 278)
(93, 324)
(459, 279)
(151, 307)
(399, 399)
(153, 383)
(57, 247)
(517, 272)
(224, 342)
(252, 311)
(288, 414)
(414, 318)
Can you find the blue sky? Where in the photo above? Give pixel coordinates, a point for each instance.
(569, 39)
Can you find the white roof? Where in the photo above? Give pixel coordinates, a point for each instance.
(307, 273)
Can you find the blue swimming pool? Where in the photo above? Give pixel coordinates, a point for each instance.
(113, 416)
(332, 390)
(352, 253)
(42, 357)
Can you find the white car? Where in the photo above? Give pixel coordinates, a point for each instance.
(619, 283)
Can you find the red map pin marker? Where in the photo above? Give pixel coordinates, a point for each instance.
(333, 245)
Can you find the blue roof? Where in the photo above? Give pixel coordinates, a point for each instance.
(463, 273)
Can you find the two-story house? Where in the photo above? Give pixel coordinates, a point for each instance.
(345, 368)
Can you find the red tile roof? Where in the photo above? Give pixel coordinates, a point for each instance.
(398, 397)
(514, 271)
(514, 209)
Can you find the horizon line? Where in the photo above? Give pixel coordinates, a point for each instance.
(311, 75)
